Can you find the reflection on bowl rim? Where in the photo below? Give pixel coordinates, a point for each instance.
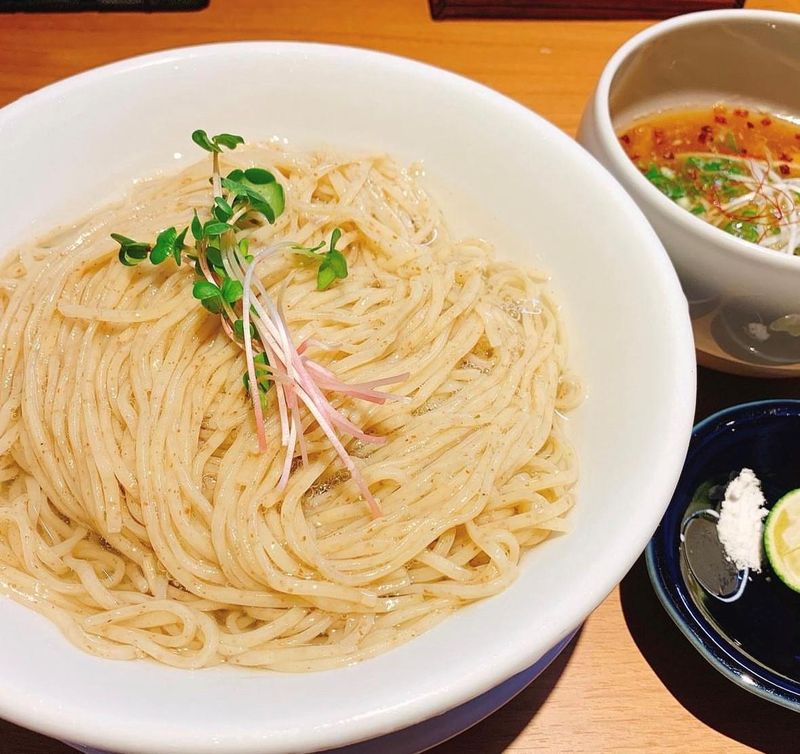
(607, 134)
(714, 647)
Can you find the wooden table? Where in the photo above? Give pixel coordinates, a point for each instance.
(629, 681)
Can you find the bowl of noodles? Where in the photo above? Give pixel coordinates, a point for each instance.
(322, 415)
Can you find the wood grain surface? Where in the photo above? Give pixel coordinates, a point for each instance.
(629, 682)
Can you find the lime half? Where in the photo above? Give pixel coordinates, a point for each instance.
(782, 539)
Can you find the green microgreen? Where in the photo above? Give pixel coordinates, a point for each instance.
(231, 141)
(131, 252)
(218, 250)
(244, 250)
(222, 210)
(333, 266)
(215, 143)
(256, 189)
(238, 329)
(231, 290)
(216, 228)
(214, 257)
(204, 289)
(165, 243)
(332, 263)
(179, 246)
(262, 370)
(238, 200)
(209, 295)
(309, 252)
(197, 227)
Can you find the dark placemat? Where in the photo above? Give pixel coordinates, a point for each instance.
(73, 6)
(596, 9)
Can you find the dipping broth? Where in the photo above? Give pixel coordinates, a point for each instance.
(735, 168)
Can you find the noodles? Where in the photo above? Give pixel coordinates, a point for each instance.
(136, 510)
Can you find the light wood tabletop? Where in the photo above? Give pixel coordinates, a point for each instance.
(629, 681)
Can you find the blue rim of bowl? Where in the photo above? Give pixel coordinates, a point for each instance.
(675, 597)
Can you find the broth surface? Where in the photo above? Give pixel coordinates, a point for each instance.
(734, 167)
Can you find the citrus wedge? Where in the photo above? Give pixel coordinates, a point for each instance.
(782, 539)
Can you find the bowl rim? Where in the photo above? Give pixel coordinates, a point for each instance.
(675, 437)
(744, 250)
(720, 653)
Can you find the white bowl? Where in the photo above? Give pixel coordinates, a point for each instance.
(734, 56)
(500, 171)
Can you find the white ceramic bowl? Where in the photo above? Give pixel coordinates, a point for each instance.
(734, 56)
(498, 170)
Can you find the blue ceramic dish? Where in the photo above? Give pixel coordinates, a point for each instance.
(754, 641)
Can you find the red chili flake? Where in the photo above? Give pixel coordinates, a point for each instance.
(741, 113)
(766, 121)
(669, 155)
(625, 138)
(705, 134)
(785, 157)
(750, 125)
(784, 169)
(720, 119)
(635, 157)
(797, 136)
(742, 151)
(658, 135)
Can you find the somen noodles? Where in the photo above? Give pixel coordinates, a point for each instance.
(137, 510)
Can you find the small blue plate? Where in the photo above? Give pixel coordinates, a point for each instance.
(754, 641)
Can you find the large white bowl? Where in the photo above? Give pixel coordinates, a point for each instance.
(499, 170)
(746, 57)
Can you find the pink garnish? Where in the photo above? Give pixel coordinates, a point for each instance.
(297, 379)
